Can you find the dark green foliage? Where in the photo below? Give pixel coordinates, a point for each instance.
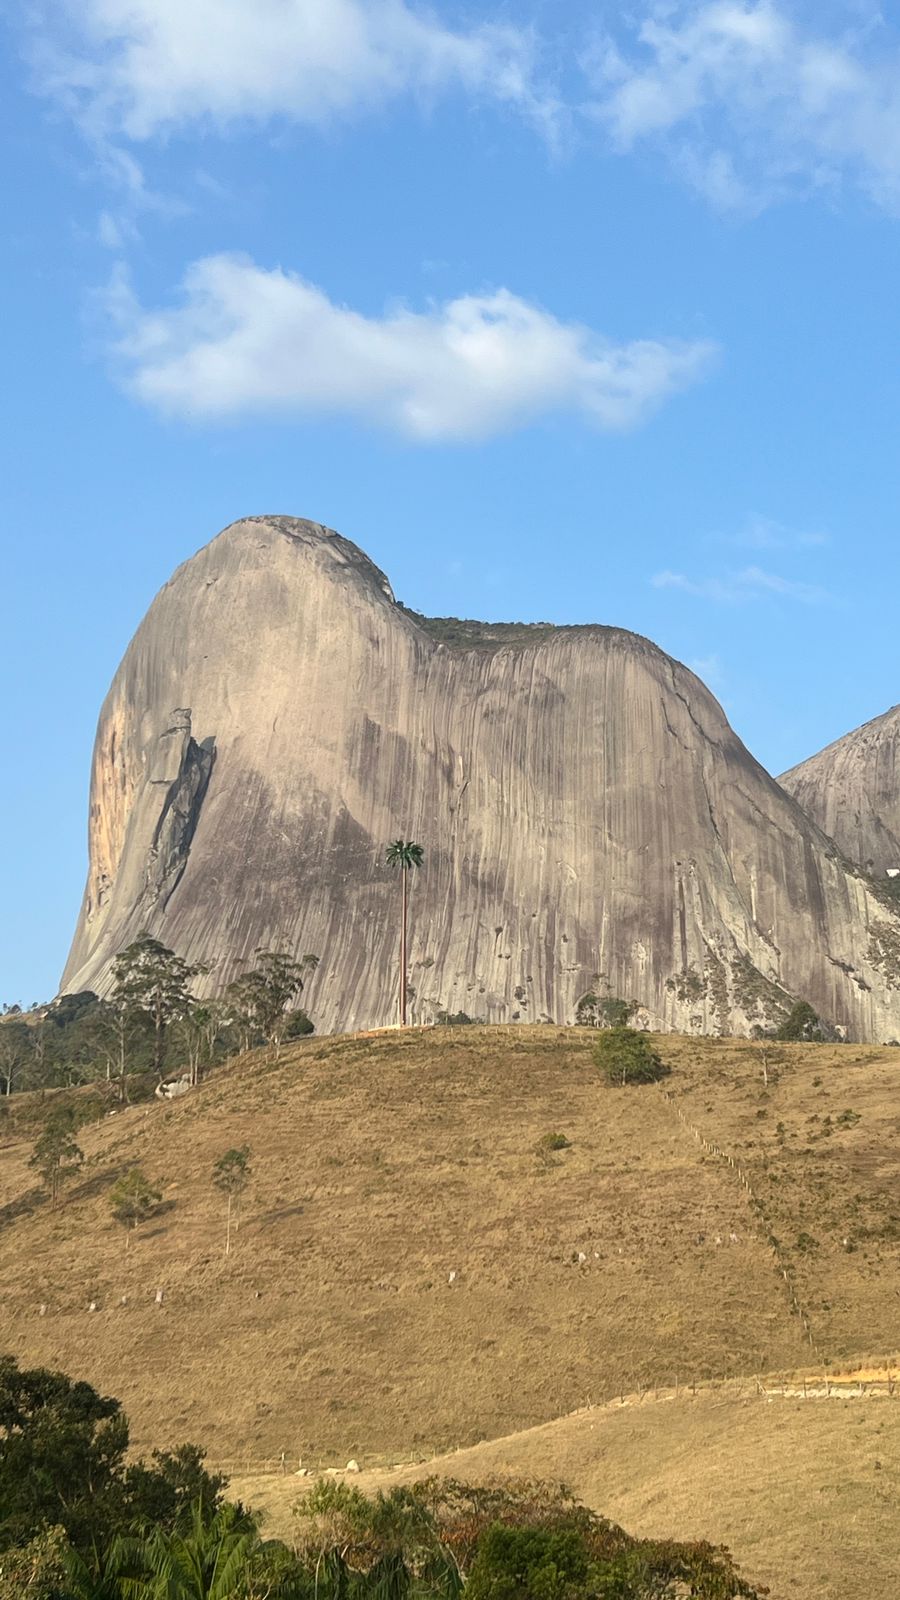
(469, 635)
(230, 1176)
(529, 1564)
(152, 986)
(71, 1008)
(81, 1525)
(168, 1493)
(231, 1172)
(404, 855)
(260, 998)
(801, 1023)
(38, 1570)
(62, 1448)
(57, 1156)
(625, 1056)
(62, 1465)
(151, 1023)
(616, 1566)
(298, 1025)
(384, 1548)
(604, 1011)
(453, 1019)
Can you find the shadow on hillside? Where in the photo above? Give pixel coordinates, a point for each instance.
(278, 1216)
(24, 1206)
(99, 1182)
(162, 1210)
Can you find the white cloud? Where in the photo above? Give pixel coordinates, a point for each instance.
(752, 583)
(762, 533)
(751, 106)
(139, 67)
(246, 340)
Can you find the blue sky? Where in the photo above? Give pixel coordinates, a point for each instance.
(587, 323)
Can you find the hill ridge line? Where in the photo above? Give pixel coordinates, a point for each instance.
(839, 1386)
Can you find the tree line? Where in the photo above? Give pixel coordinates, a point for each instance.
(151, 1023)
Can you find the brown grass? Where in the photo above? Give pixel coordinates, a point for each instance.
(806, 1494)
(821, 1149)
(384, 1165)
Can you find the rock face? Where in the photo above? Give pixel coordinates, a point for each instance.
(584, 807)
(852, 790)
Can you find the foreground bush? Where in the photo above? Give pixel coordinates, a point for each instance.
(506, 1539)
(63, 1465)
(76, 1523)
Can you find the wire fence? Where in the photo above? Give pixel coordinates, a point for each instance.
(821, 1386)
(755, 1205)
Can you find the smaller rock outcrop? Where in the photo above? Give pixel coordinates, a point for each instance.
(852, 790)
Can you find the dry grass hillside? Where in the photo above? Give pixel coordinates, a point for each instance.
(805, 1493)
(411, 1275)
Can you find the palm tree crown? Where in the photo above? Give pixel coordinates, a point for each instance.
(404, 853)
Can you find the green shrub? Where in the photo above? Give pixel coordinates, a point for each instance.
(548, 1145)
(625, 1056)
(604, 1011)
(298, 1025)
(801, 1024)
(529, 1564)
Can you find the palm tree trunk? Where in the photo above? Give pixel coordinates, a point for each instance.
(404, 895)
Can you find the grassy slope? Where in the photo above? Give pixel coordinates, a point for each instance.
(382, 1165)
(805, 1494)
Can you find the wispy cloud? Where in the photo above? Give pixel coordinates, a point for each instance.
(762, 533)
(134, 68)
(247, 340)
(748, 104)
(751, 106)
(751, 583)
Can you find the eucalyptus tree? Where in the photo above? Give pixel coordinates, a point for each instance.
(403, 855)
(230, 1175)
(260, 998)
(153, 983)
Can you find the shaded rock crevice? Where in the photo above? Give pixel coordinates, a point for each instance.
(184, 796)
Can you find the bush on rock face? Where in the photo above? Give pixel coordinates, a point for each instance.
(625, 1056)
(801, 1023)
(603, 1011)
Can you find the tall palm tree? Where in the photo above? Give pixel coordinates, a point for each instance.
(403, 853)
